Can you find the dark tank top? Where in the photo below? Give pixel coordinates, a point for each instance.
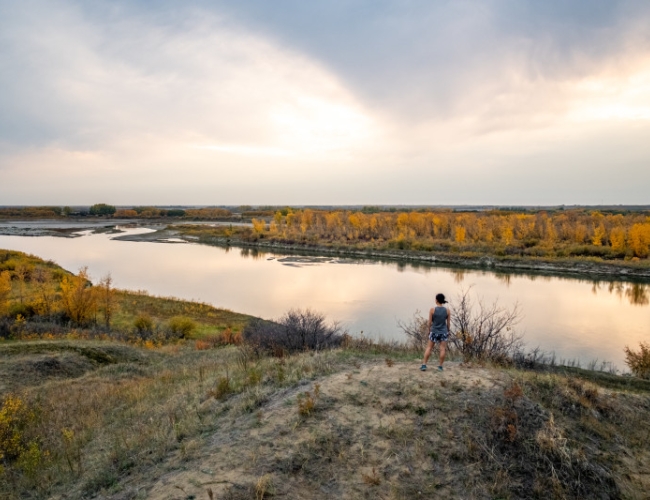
(439, 320)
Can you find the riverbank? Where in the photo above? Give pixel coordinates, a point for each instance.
(574, 267)
(202, 232)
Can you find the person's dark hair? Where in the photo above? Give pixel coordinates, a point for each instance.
(440, 299)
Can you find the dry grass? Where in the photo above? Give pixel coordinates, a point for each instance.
(33, 306)
(129, 409)
(396, 433)
(116, 421)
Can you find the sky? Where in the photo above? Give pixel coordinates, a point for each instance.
(499, 102)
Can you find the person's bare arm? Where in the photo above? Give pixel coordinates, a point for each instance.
(448, 320)
(430, 321)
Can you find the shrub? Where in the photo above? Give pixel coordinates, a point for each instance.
(484, 331)
(416, 330)
(181, 326)
(18, 448)
(639, 361)
(143, 325)
(306, 404)
(296, 331)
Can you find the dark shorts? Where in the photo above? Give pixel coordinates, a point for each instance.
(438, 336)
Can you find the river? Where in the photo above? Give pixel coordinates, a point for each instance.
(578, 319)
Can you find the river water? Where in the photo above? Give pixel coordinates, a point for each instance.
(578, 319)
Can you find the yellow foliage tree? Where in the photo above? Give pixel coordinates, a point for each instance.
(258, 225)
(550, 233)
(507, 235)
(45, 291)
(5, 290)
(599, 234)
(639, 239)
(459, 234)
(306, 221)
(78, 297)
(617, 239)
(580, 233)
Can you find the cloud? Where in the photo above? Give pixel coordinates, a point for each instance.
(336, 102)
(438, 60)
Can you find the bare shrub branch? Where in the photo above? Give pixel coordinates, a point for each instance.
(415, 330)
(484, 331)
(639, 361)
(297, 330)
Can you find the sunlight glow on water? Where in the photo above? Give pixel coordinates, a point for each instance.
(575, 318)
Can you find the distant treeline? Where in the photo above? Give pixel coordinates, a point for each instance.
(556, 234)
(104, 210)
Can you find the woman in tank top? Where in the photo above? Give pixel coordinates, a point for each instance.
(438, 326)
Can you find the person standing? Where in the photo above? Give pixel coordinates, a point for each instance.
(439, 325)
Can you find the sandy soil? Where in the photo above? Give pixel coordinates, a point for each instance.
(259, 449)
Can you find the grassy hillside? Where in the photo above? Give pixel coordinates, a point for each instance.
(166, 400)
(40, 300)
(118, 421)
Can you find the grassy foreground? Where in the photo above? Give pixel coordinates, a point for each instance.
(167, 402)
(110, 420)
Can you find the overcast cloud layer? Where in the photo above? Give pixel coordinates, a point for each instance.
(412, 102)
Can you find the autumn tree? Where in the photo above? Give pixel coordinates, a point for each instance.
(106, 298)
(45, 291)
(459, 234)
(639, 239)
(617, 239)
(126, 213)
(22, 273)
(5, 290)
(258, 225)
(78, 297)
(507, 234)
(599, 234)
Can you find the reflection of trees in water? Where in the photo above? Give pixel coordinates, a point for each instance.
(257, 254)
(459, 275)
(253, 253)
(616, 287)
(506, 279)
(638, 294)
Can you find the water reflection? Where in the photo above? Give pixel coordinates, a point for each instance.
(504, 278)
(637, 294)
(576, 317)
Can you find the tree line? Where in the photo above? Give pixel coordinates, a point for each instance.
(563, 233)
(106, 210)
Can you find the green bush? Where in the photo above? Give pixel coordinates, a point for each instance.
(143, 324)
(181, 326)
(102, 209)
